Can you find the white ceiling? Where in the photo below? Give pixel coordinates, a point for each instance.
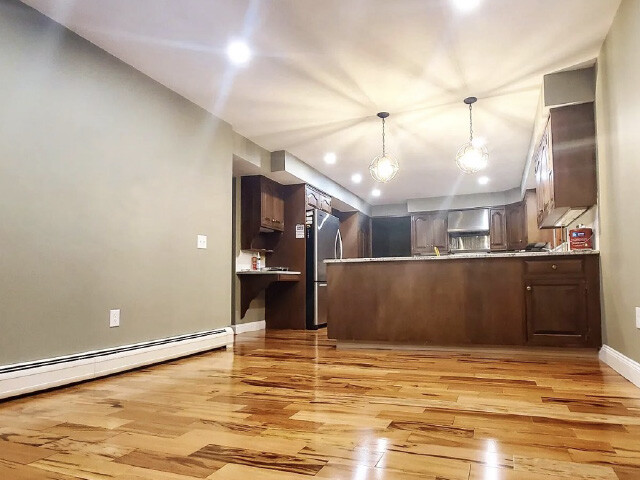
(322, 70)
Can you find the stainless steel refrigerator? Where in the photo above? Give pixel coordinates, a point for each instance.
(323, 243)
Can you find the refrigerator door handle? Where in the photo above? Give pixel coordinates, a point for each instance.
(337, 243)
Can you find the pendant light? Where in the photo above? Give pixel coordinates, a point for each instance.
(383, 168)
(472, 156)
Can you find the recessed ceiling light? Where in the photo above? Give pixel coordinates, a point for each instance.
(375, 192)
(330, 158)
(466, 5)
(356, 178)
(238, 52)
(483, 180)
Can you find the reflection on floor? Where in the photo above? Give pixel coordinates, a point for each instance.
(290, 406)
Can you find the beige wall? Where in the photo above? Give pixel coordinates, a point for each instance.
(106, 178)
(618, 123)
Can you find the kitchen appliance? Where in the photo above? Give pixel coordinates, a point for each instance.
(324, 242)
(581, 238)
(469, 243)
(537, 247)
(469, 230)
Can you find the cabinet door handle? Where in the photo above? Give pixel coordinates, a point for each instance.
(528, 288)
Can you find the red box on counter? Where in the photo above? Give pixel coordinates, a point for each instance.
(581, 239)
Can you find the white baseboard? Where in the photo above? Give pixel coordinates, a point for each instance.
(249, 327)
(29, 377)
(628, 368)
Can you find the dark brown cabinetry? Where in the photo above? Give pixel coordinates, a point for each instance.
(528, 299)
(262, 213)
(271, 205)
(558, 297)
(317, 199)
(498, 229)
(516, 218)
(565, 165)
(429, 230)
(355, 229)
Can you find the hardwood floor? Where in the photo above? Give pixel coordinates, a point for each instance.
(289, 406)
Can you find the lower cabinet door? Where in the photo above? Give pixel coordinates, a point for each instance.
(557, 312)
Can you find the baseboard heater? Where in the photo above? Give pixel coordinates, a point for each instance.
(28, 377)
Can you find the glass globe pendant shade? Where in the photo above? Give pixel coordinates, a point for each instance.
(471, 158)
(383, 168)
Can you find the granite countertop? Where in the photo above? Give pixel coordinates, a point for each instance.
(460, 256)
(266, 272)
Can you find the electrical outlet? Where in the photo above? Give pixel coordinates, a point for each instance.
(114, 318)
(637, 317)
(202, 241)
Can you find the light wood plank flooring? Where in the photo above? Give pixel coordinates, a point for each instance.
(290, 406)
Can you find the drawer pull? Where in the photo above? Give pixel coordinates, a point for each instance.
(554, 266)
(528, 288)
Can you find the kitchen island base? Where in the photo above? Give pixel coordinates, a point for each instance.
(514, 299)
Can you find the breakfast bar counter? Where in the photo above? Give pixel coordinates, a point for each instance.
(492, 299)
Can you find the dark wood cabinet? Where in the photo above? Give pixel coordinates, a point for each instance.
(429, 230)
(565, 165)
(355, 229)
(313, 198)
(317, 199)
(482, 300)
(364, 239)
(262, 213)
(271, 205)
(498, 229)
(516, 217)
(562, 306)
(556, 311)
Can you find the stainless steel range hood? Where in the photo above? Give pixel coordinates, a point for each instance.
(469, 221)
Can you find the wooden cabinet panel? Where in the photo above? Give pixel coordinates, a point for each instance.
(498, 229)
(262, 213)
(271, 205)
(554, 267)
(313, 198)
(516, 226)
(317, 199)
(429, 230)
(439, 302)
(355, 228)
(565, 165)
(325, 203)
(557, 312)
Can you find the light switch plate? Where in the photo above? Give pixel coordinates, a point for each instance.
(114, 318)
(202, 241)
(637, 317)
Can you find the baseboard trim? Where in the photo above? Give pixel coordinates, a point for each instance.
(628, 368)
(20, 379)
(249, 327)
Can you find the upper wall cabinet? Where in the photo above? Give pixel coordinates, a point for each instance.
(565, 166)
(429, 230)
(517, 237)
(318, 199)
(498, 228)
(262, 213)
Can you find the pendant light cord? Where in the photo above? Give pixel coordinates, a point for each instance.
(383, 147)
(470, 123)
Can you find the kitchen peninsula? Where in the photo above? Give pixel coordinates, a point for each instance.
(495, 299)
